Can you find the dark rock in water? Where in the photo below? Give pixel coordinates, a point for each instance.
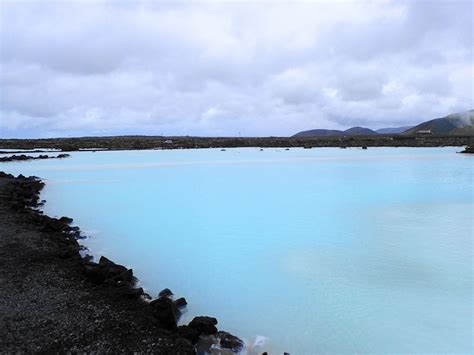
(364, 147)
(146, 296)
(75, 232)
(204, 344)
(103, 261)
(53, 224)
(87, 258)
(205, 325)
(66, 220)
(117, 270)
(468, 150)
(107, 272)
(24, 157)
(137, 291)
(165, 293)
(165, 312)
(229, 341)
(180, 302)
(126, 276)
(110, 267)
(189, 333)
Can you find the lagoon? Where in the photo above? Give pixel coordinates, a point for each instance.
(314, 250)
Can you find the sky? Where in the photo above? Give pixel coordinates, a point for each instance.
(255, 68)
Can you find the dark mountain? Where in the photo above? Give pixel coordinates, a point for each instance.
(393, 130)
(359, 131)
(354, 131)
(319, 133)
(456, 124)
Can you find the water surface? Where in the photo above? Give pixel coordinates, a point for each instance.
(320, 251)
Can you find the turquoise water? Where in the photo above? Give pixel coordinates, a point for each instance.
(318, 251)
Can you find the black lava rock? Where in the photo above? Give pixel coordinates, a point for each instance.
(189, 333)
(229, 341)
(205, 325)
(165, 293)
(165, 312)
(180, 302)
(66, 220)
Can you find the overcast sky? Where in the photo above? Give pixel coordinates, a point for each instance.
(250, 68)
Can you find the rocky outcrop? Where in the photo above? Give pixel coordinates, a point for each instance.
(166, 312)
(204, 325)
(202, 331)
(469, 150)
(24, 157)
(165, 293)
(229, 341)
(181, 303)
(189, 333)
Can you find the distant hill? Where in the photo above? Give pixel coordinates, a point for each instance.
(457, 124)
(393, 130)
(452, 125)
(359, 131)
(354, 131)
(319, 133)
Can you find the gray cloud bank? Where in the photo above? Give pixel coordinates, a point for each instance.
(147, 67)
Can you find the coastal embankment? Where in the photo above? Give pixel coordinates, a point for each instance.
(161, 142)
(54, 298)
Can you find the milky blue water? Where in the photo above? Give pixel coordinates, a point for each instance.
(320, 251)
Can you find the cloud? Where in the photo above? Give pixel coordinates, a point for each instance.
(224, 68)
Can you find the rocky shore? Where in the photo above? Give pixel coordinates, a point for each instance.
(24, 157)
(161, 142)
(54, 298)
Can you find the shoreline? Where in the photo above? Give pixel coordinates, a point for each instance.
(43, 274)
(161, 142)
(3, 154)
